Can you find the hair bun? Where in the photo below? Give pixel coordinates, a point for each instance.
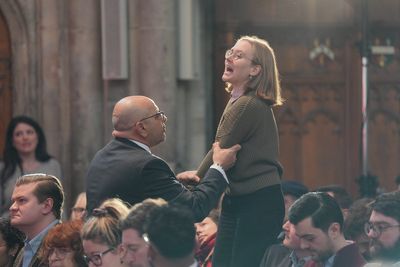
(99, 212)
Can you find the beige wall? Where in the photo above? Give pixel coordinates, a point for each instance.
(56, 50)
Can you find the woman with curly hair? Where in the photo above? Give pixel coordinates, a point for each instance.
(63, 246)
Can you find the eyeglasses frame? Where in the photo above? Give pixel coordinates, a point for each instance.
(368, 226)
(88, 259)
(232, 53)
(159, 113)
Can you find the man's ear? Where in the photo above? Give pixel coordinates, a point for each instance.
(47, 206)
(151, 253)
(140, 129)
(255, 70)
(334, 230)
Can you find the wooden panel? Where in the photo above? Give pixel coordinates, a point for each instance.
(320, 123)
(5, 80)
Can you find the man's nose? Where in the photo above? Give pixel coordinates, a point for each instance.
(304, 245)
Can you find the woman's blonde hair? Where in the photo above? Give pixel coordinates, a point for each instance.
(103, 226)
(266, 84)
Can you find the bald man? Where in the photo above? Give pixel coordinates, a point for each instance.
(127, 169)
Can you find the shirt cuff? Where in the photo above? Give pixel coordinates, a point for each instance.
(219, 168)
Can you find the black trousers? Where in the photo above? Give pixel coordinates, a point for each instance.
(248, 225)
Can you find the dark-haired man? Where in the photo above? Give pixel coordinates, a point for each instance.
(383, 229)
(171, 235)
(37, 202)
(133, 249)
(318, 222)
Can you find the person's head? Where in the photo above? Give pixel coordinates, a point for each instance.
(398, 182)
(133, 249)
(171, 236)
(383, 227)
(358, 216)
(318, 222)
(140, 119)
(291, 240)
(101, 234)
(78, 211)
(37, 200)
(23, 136)
(208, 227)
(250, 64)
(11, 240)
(62, 246)
(292, 190)
(340, 194)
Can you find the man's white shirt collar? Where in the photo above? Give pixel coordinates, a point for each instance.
(145, 147)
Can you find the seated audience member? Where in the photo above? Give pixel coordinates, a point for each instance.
(383, 229)
(358, 216)
(340, 194)
(62, 246)
(318, 222)
(78, 212)
(133, 249)
(171, 236)
(11, 241)
(289, 253)
(292, 190)
(25, 152)
(206, 232)
(37, 206)
(101, 234)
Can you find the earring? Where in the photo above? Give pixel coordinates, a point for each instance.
(121, 261)
(251, 77)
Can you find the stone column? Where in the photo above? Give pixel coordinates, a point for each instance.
(155, 62)
(85, 86)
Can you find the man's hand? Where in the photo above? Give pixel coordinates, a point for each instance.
(225, 157)
(188, 177)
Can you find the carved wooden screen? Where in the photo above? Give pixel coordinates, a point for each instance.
(319, 60)
(5, 80)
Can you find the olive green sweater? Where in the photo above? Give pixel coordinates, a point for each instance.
(250, 122)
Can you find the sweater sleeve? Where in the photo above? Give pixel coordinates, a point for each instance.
(237, 125)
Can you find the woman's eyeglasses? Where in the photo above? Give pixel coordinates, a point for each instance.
(96, 258)
(236, 55)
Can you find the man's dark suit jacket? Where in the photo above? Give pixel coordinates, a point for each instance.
(125, 170)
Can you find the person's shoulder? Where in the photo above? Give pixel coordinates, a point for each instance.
(251, 101)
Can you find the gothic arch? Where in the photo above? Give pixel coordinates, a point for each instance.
(22, 51)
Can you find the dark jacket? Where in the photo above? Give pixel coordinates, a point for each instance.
(125, 170)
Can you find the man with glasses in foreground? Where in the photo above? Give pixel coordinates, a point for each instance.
(127, 169)
(383, 229)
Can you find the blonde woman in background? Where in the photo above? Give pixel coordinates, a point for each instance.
(101, 234)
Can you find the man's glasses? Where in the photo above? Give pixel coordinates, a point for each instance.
(96, 258)
(377, 228)
(159, 114)
(236, 55)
